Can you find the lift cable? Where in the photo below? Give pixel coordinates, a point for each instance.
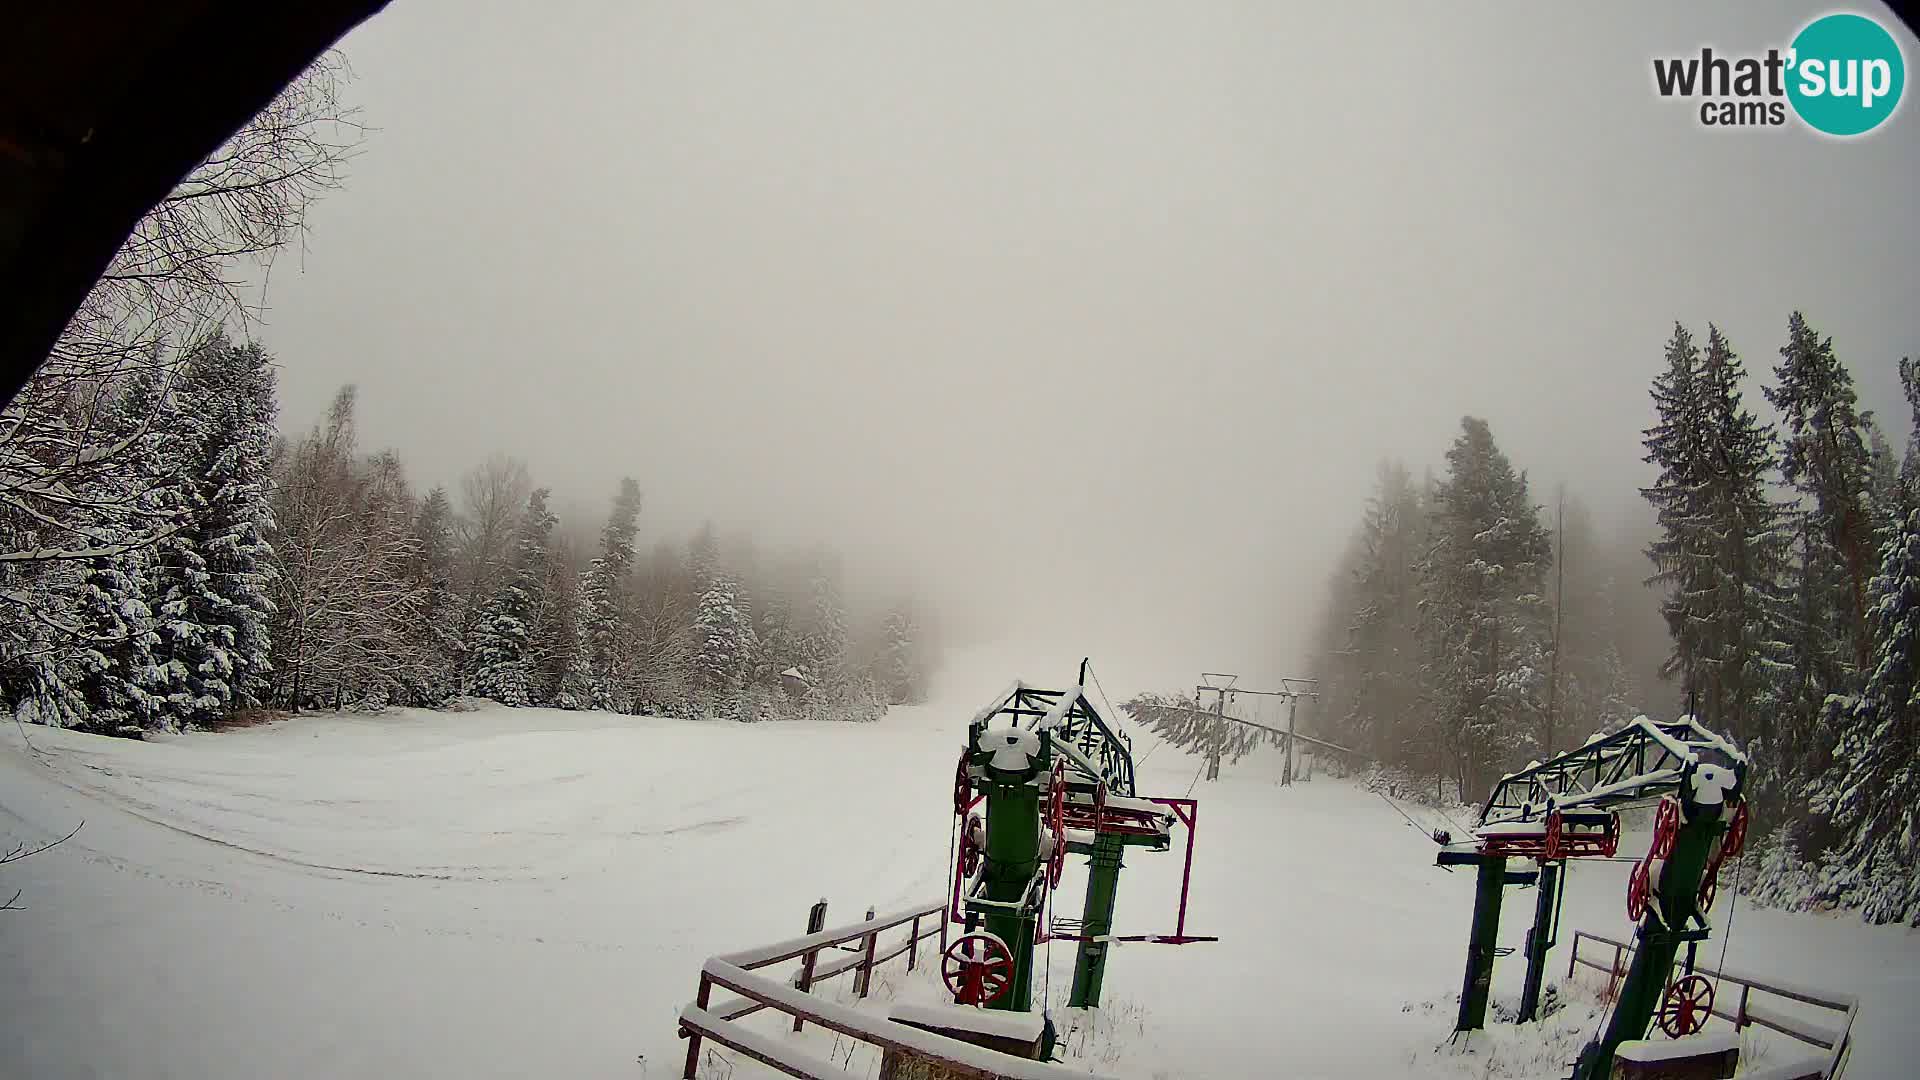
(1733, 905)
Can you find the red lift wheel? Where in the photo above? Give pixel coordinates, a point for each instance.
(1687, 1005)
(1639, 887)
(1611, 844)
(1057, 821)
(1553, 835)
(969, 851)
(1666, 826)
(977, 968)
(1736, 839)
(1709, 885)
(962, 788)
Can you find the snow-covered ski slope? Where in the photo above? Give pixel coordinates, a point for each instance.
(509, 893)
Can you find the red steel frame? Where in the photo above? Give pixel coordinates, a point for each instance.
(1188, 811)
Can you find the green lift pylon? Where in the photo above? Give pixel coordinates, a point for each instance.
(1015, 769)
(1568, 808)
(1056, 779)
(1669, 893)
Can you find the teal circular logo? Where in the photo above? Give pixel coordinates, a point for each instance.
(1845, 74)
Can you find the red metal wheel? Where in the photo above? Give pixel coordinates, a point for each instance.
(1639, 888)
(1666, 826)
(1553, 835)
(969, 851)
(1057, 821)
(962, 788)
(977, 968)
(1736, 839)
(1611, 844)
(1709, 886)
(1687, 1005)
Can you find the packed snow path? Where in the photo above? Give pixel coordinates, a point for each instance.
(512, 893)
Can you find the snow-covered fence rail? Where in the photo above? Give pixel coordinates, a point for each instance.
(739, 973)
(1833, 1036)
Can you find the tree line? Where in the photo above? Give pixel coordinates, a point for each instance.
(229, 567)
(385, 596)
(1784, 562)
(168, 557)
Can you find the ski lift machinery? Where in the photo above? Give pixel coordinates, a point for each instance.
(1044, 775)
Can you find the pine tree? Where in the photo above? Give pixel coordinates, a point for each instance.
(214, 573)
(1885, 495)
(604, 635)
(1722, 550)
(118, 671)
(438, 637)
(1484, 609)
(1748, 539)
(500, 647)
(1873, 786)
(900, 668)
(723, 634)
(1383, 621)
(1825, 456)
(824, 630)
(1683, 555)
(119, 677)
(1910, 464)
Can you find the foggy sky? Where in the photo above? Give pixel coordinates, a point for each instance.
(1092, 318)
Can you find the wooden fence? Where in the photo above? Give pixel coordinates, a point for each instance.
(860, 942)
(1833, 1039)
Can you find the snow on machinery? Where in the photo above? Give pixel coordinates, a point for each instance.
(1568, 808)
(1055, 778)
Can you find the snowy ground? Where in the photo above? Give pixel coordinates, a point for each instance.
(516, 893)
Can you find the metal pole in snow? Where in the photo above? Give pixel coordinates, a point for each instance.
(1539, 940)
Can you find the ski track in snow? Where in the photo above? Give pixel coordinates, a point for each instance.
(529, 892)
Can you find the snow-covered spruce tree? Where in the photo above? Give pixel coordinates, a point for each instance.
(1683, 555)
(823, 639)
(605, 636)
(723, 636)
(1483, 609)
(1872, 788)
(436, 635)
(499, 647)
(493, 501)
(118, 675)
(213, 575)
(1910, 464)
(1722, 547)
(1750, 540)
(1888, 501)
(1383, 618)
(900, 667)
(1826, 457)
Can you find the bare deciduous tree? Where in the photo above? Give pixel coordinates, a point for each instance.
(177, 278)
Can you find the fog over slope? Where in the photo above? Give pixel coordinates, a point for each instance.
(1093, 320)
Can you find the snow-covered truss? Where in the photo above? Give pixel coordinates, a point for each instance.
(1090, 744)
(1633, 766)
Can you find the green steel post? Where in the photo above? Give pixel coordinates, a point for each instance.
(1480, 945)
(1673, 901)
(1539, 940)
(1012, 856)
(1103, 886)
